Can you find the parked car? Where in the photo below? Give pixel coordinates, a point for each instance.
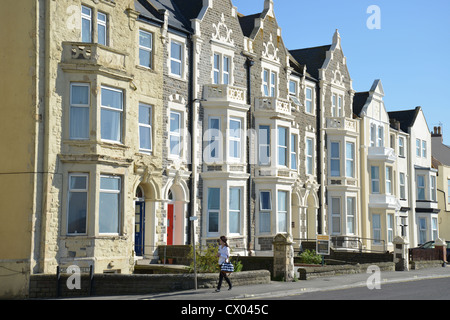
(430, 245)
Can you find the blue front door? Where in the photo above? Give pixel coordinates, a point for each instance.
(139, 228)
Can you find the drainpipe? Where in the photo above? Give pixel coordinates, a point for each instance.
(249, 63)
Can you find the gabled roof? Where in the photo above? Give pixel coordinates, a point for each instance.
(177, 18)
(359, 101)
(405, 117)
(248, 23)
(313, 58)
(148, 11)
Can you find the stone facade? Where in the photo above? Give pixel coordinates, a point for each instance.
(139, 115)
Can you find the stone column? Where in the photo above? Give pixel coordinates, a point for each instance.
(283, 257)
(401, 254)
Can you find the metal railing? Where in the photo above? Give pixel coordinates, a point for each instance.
(358, 244)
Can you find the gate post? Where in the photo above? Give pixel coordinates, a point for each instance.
(401, 254)
(283, 257)
(441, 246)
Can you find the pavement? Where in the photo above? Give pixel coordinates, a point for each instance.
(283, 289)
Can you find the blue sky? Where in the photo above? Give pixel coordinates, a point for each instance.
(410, 53)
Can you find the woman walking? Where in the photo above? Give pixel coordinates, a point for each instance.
(224, 256)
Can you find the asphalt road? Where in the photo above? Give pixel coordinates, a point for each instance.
(432, 289)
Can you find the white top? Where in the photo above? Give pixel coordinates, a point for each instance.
(224, 252)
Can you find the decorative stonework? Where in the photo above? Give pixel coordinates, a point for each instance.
(270, 51)
(223, 33)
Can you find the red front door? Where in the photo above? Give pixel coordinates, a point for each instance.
(170, 224)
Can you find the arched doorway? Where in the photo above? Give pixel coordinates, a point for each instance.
(312, 216)
(176, 216)
(139, 219)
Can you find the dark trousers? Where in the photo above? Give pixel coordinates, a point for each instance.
(221, 277)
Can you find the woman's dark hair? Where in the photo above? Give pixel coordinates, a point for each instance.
(224, 239)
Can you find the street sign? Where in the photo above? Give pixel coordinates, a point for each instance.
(323, 245)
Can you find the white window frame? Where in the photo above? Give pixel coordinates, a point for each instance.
(294, 158)
(380, 139)
(434, 228)
(335, 159)
(147, 49)
(340, 106)
(101, 23)
(87, 17)
(265, 214)
(237, 212)
(75, 105)
(336, 216)
(176, 60)
(421, 187)
(402, 180)
(390, 227)
(293, 83)
(433, 188)
(350, 161)
(424, 149)
(177, 134)
(235, 140)
(213, 211)
(309, 163)
(376, 229)
(283, 148)
(423, 234)
(388, 177)
(351, 215)
(264, 146)
(375, 181)
(120, 111)
(282, 215)
(418, 148)
(334, 105)
(84, 190)
(214, 139)
(309, 105)
(120, 196)
(373, 135)
(147, 126)
(273, 83)
(401, 146)
(448, 191)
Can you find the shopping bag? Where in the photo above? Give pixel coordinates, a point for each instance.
(227, 267)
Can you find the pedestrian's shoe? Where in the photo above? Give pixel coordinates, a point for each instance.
(217, 290)
(229, 289)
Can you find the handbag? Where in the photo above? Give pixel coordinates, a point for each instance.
(227, 267)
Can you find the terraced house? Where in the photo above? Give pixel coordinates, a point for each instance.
(154, 123)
